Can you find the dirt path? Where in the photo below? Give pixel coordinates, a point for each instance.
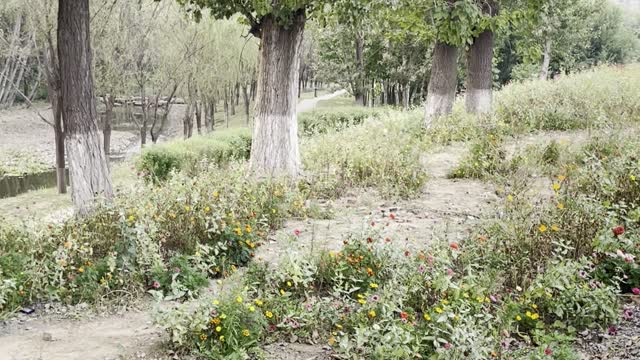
(310, 104)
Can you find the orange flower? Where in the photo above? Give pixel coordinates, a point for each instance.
(454, 246)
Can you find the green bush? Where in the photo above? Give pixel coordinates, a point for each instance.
(207, 225)
(381, 154)
(322, 121)
(590, 99)
(219, 148)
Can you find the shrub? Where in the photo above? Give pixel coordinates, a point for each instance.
(323, 121)
(219, 148)
(382, 154)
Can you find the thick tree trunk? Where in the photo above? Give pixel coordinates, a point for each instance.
(478, 95)
(212, 108)
(546, 60)
(198, 116)
(245, 96)
(359, 86)
(442, 84)
(275, 150)
(88, 167)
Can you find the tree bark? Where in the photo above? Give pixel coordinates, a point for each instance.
(226, 106)
(479, 95)
(88, 166)
(275, 150)
(546, 60)
(406, 96)
(442, 84)
(232, 101)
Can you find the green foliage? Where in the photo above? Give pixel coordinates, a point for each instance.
(379, 153)
(323, 121)
(218, 148)
(205, 225)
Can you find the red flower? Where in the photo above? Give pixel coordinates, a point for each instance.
(388, 240)
(404, 315)
(407, 253)
(369, 240)
(548, 351)
(296, 232)
(454, 245)
(635, 291)
(373, 223)
(618, 230)
(392, 216)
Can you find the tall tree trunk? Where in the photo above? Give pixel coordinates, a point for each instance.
(88, 166)
(478, 95)
(406, 96)
(275, 148)
(212, 108)
(52, 71)
(442, 84)
(359, 86)
(245, 95)
(546, 60)
(108, 118)
(199, 106)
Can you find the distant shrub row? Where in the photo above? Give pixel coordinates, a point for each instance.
(220, 147)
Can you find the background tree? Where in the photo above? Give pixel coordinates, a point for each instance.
(88, 167)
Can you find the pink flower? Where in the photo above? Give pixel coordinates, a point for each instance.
(447, 346)
(635, 291)
(422, 269)
(296, 232)
(155, 285)
(548, 352)
(613, 330)
(449, 272)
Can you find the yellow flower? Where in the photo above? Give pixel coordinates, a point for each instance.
(528, 314)
(81, 269)
(362, 301)
(281, 292)
(268, 314)
(215, 321)
(187, 208)
(560, 206)
(289, 284)
(252, 309)
(535, 316)
(534, 306)
(542, 228)
(465, 295)
(561, 178)
(223, 316)
(479, 299)
(556, 186)
(216, 302)
(221, 338)
(248, 229)
(258, 302)
(238, 231)
(439, 310)
(632, 177)
(510, 198)
(555, 228)
(207, 209)
(216, 194)
(456, 318)
(338, 326)
(332, 341)
(203, 337)
(239, 299)
(218, 328)
(373, 285)
(132, 218)
(518, 317)
(246, 332)
(426, 317)
(372, 314)
(445, 301)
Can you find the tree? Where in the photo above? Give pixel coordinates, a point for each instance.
(88, 166)
(280, 26)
